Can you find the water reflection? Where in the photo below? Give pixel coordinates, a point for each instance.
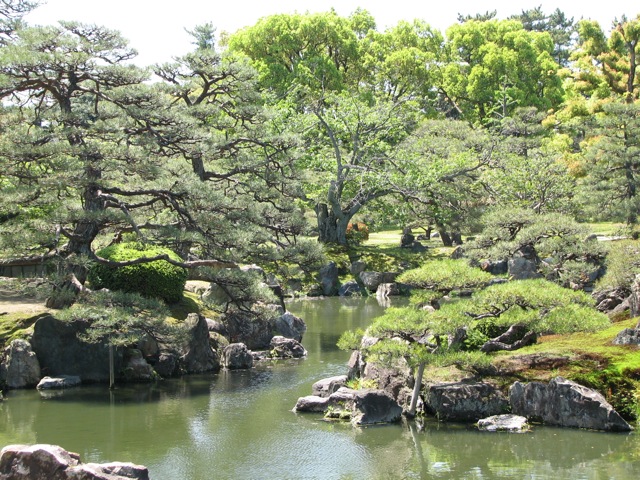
(240, 425)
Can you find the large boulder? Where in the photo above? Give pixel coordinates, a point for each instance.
(464, 402)
(61, 352)
(136, 368)
(374, 406)
(371, 280)
(237, 356)
(51, 462)
(349, 289)
(20, 367)
(565, 403)
(327, 386)
(282, 347)
(197, 354)
(328, 278)
(523, 266)
(628, 336)
(290, 326)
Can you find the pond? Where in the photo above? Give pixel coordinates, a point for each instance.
(239, 425)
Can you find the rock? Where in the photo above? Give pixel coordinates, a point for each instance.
(466, 402)
(282, 347)
(327, 386)
(457, 253)
(236, 356)
(328, 278)
(199, 287)
(565, 403)
(407, 238)
(504, 423)
(386, 290)
(136, 368)
(20, 367)
(60, 352)
(497, 267)
(215, 295)
(217, 327)
(148, 346)
(166, 365)
(245, 327)
(63, 381)
(197, 354)
(371, 280)
(628, 336)
(355, 365)
(357, 267)
(51, 462)
(523, 267)
(290, 326)
(634, 298)
(349, 289)
(374, 406)
(392, 380)
(418, 247)
(312, 403)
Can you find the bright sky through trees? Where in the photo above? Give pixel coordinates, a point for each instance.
(156, 28)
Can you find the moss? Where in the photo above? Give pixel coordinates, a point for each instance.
(16, 325)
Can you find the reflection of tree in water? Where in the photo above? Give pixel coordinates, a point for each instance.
(442, 451)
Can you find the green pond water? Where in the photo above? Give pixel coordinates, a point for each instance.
(239, 425)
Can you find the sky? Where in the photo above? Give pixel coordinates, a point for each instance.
(156, 28)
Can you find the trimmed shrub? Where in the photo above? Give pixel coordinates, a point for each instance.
(357, 233)
(158, 279)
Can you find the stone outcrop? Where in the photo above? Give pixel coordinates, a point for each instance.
(136, 368)
(328, 278)
(374, 406)
(504, 423)
(60, 352)
(290, 326)
(197, 355)
(256, 332)
(51, 462)
(325, 387)
(237, 356)
(57, 383)
(464, 402)
(20, 367)
(371, 280)
(349, 289)
(565, 403)
(282, 347)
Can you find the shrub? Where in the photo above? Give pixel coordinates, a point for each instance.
(357, 233)
(158, 279)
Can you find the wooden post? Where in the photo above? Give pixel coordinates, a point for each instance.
(111, 373)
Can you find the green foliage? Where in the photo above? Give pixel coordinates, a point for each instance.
(121, 318)
(350, 339)
(357, 233)
(158, 278)
(621, 389)
(568, 251)
(362, 383)
(445, 275)
(622, 265)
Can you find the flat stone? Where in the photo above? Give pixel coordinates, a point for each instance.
(504, 423)
(62, 381)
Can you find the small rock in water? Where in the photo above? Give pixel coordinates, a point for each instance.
(504, 423)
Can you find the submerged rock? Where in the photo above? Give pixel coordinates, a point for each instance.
(504, 423)
(51, 462)
(565, 403)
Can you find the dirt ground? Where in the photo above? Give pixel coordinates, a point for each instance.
(10, 302)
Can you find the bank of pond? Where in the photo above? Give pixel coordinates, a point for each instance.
(240, 424)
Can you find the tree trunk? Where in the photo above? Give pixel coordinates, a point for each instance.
(444, 236)
(416, 390)
(332, 228)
